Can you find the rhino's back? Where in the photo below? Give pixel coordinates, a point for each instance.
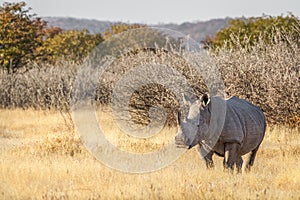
(244, 123)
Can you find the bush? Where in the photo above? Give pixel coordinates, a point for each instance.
(44, 86)
(265, 74)
(244, 32)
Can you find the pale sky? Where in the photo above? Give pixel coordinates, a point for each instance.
(161, 11)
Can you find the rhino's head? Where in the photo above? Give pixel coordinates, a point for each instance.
(194, 127)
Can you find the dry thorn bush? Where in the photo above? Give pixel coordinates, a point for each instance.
(265, 74)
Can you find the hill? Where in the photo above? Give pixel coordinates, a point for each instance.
(69, 23)
(197, 30)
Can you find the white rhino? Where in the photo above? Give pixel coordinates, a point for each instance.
(242, 132)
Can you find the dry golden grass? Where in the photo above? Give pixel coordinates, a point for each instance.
(41, 159)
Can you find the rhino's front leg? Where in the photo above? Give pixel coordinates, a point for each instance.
(207, 157)
(232, 155)
(209, 161)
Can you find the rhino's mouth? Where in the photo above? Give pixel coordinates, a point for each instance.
(181, 143)
(183, 146)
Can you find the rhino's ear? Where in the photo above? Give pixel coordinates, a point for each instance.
(205, 100)
(186, 100)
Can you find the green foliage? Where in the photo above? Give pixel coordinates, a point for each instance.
(69, 45)
(20, 35)
(245, 32)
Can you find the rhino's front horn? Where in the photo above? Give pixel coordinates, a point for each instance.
(179, 117)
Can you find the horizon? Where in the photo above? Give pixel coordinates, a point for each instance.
(78, 18)
(133, 11)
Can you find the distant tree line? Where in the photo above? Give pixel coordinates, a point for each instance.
(247, 32)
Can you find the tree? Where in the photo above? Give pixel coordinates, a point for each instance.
(69, 45)
(20, 35)
(245, 32)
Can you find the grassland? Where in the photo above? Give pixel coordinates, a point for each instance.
(41, 158)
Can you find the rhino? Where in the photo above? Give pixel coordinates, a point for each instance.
(241, 131)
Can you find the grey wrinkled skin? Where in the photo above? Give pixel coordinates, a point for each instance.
(242, 133)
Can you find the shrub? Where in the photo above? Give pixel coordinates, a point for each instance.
(249, 31)
(265, 74)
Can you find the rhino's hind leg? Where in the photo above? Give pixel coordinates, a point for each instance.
(250, 159)
(232, 156)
